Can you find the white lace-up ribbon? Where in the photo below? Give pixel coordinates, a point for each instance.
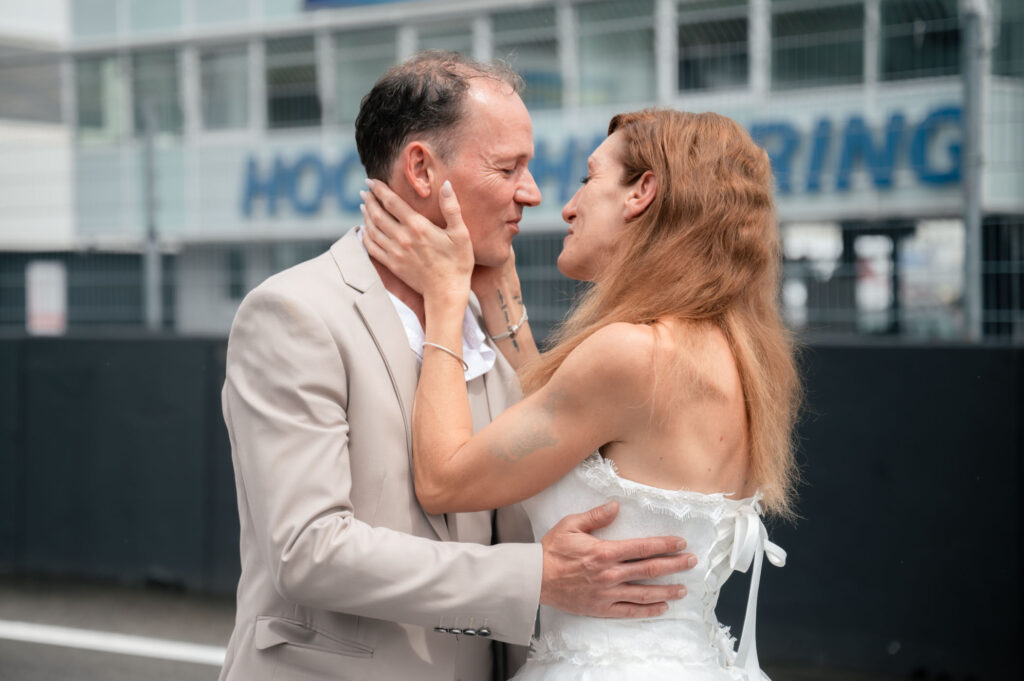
(750, 545)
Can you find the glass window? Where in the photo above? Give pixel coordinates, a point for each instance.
(235, 271)
(278, 9)
(527, 40)
(222, 12)
(99, 95)
(360, 58)
(616, 52)
(920, 38)
(817, 45)
(1008, 56)
(457, 38)
(30, 83)
(292, 96)
(147, 15)
(224, 83)
(155, 87)
(93, 18)
(713, 51)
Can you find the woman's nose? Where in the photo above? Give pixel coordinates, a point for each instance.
(569, 210)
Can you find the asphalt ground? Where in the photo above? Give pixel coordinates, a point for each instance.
(168, 623)
(68, 607)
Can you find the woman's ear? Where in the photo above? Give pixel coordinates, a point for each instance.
(418, 167)
(640, 196)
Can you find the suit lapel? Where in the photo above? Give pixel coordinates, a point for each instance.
(378, 313)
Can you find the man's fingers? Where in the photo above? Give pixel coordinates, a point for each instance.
(594, 519)
(634, 611)
(646, 594)
(624, 550)
(652, 568)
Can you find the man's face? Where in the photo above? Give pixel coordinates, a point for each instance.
(488, 169)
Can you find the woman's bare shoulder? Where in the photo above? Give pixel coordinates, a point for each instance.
(617, 357)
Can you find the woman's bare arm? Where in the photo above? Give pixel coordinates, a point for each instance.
(597, 396)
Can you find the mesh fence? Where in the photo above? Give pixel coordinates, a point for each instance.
(857, 102)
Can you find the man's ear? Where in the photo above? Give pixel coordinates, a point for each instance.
(418, 167)
(640, 196)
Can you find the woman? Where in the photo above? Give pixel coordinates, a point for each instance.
(671, 387)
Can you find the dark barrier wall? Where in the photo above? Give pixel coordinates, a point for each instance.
(908, 553)
(906, 560)
(116, 462)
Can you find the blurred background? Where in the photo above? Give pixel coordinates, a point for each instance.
(160, 158)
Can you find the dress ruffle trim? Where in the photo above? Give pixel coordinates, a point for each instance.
(602, 475)
(553, 648)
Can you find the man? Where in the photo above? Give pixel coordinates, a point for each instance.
(344, 575)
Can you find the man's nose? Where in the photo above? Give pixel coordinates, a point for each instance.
(528, 193)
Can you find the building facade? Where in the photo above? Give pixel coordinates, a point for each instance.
(223, 132)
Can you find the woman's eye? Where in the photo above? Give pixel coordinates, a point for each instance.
(585, 179)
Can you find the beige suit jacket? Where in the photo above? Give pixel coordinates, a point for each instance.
(344, 575)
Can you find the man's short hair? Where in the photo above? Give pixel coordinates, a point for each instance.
(420, 98)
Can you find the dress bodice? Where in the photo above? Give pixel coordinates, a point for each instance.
(725, 534)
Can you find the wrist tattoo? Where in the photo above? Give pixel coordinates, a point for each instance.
(508, 320)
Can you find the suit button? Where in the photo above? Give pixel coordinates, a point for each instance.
(441, 630)
(483, 631)
(469, 632)
(455, 630)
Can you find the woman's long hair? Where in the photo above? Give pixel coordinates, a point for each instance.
(707, 249)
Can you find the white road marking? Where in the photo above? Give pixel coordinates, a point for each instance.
(110, 642)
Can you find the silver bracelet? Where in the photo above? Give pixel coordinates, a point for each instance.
(511, 333)
(465, 367)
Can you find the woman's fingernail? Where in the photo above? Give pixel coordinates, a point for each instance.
(369, 183)
(362, 194)
(362, 208)
(691, 561)
(446, 188)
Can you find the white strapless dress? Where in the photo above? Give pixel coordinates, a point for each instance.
(687, 643)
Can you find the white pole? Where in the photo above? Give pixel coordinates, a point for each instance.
(977, 32)
(152, 265)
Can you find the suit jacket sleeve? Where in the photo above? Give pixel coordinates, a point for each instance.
(284, 399)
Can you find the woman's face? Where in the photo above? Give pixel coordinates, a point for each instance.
(596, 214)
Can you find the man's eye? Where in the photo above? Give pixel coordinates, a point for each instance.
(585, 179)
(508, 171)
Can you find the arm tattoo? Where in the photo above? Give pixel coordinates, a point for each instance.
(532, 431)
